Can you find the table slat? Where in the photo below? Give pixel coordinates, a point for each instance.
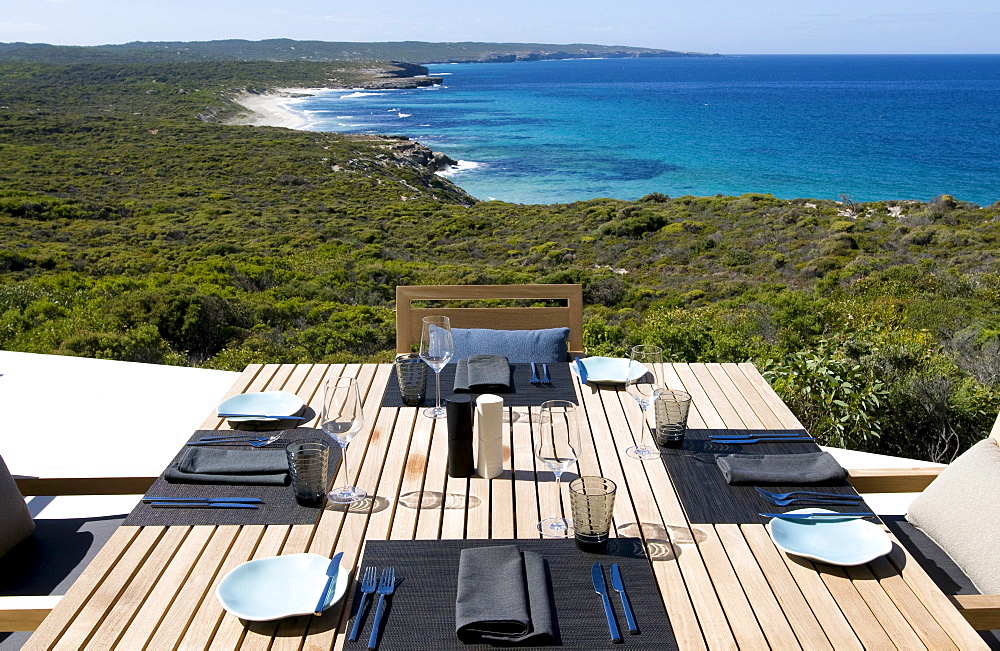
(535, 495)
(853, 605)
(196, 587)
(739, 612)
(755, 585)
(165, 590)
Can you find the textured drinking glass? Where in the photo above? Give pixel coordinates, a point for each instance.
(308, 460)
(592, 502)
(643, 384)
(437, 349)
(342, 419)
(671, 411)
(557, 449)
(411, 373)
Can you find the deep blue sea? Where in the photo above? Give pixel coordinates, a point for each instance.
(868, 127)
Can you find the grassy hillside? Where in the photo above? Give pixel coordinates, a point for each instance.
(136, 226)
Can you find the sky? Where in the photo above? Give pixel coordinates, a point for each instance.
(722, 26)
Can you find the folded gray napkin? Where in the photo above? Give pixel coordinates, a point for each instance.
(205, 465)
(504, 598)
(483, 373)
(807, 468)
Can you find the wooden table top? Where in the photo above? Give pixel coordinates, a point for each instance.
(724, 586)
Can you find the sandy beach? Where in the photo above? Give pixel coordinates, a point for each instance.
(273, 109)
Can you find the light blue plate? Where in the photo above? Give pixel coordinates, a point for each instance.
(830, 540)
(607, 370)
(272, 403)
(281, 586)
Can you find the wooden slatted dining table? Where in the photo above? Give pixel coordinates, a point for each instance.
(723, 586)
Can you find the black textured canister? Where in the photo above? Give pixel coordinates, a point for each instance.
(460, 461)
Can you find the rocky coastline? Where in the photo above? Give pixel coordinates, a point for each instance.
(271, 109)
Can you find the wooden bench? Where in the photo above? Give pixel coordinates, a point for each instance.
(981, 611)
(408, 317)
(25, 612)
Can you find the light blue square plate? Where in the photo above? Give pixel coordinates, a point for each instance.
(265, 589)
(272, 403)
(606, 370)
(830, 540)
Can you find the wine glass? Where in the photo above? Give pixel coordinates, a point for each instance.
(342, 418)
(557, 449)
(436, 348)
(644, 385)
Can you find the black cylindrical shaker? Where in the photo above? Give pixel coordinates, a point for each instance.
(460, 461)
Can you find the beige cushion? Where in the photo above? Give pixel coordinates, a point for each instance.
(15, 521)
(960, 511)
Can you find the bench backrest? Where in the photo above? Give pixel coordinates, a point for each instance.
(408, 318)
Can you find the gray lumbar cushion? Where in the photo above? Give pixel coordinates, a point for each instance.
(547, 345)
(15, 521)
(960, 511)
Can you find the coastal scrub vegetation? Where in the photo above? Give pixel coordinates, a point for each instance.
(283, 49)
(137, 224)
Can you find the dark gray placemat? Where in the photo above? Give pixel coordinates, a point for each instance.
(522, 394)
(707, 498)
(279, 505)
(421, 614)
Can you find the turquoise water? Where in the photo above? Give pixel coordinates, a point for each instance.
(869, 127)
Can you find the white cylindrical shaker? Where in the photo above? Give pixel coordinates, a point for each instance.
(489, 435)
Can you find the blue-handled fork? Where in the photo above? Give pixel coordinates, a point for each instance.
(814, 500)
(761, 439)
(785, 496)
(386, 586)
(255, 441)
(368, 584)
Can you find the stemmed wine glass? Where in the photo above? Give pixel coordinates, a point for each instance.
(342, 419)
(436, 348)
(644, 385)
(557, 449)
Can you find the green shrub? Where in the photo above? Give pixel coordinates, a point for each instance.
(832, 396)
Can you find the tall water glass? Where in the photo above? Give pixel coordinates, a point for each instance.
(342, 419)
(307, 466)
(644, 385)
(436, 349)
(592, 500)
(557, 449)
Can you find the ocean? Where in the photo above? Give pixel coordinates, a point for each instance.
(868, 128)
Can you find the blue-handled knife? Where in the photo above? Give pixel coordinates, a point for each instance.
(234, 415)
(202, 505)
(761, 433)
(762, 439)
(619, 586)
(245, 500)
(806, 516)
(331, 581)
(597, 574)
